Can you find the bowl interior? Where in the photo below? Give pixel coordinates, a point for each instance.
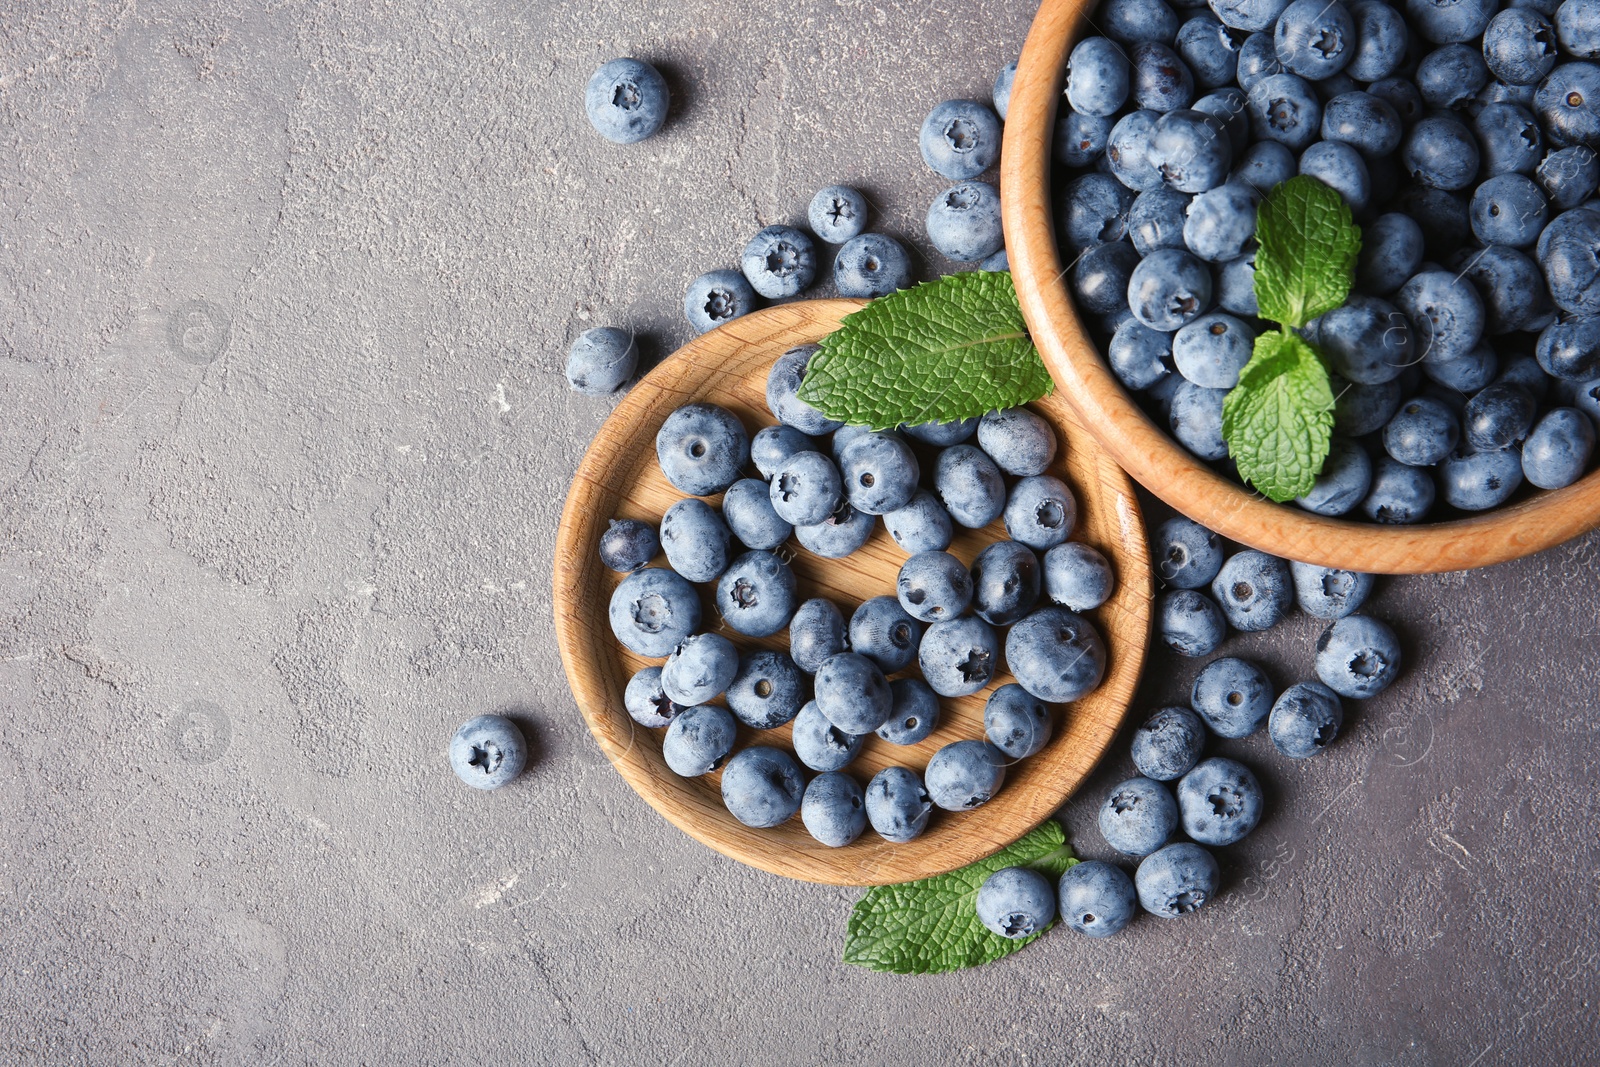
(619, 478)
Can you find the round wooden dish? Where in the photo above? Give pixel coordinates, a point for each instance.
(1146, 450)
(619, 478)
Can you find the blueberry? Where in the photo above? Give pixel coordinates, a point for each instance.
(762, 786)
(965, 775)
(1253, 589)
(698, 741)
(1252, 16)
(1586, 398)
(1156, 219)
(1360, 409)
(871, 265)
(1558, 450)
(1093, 209)
(1391, 252)
(1138, 817)
(1367, 340)
(838, 535)
(747, 510)
(695, 540)
(1305, 719)
(767, 691)
(1400, 94)
(821, 745)
(1041, 512)
(1508, 209)
(1284, 108)
(1445, 21)
(1508, 282)
(915, 714)
(942, 434)
(1578, 28)
(1015, 902)
(1566, 103)
(1187, 555)
(1015, 722)
(783, 385)
(1343, 483)
(834, 809)
(653, 610)
(881, 630)
(773, 444)
(1568, 176)
(1018, 441)
(488, 751)
(1381, 39)
(1327, 592)
(1220, 801)
(1100, 277)
(852, 692)
(816, 632)
(1209, 49)
(1477, 481)
(1342, 169)
(969, 485)
(1056, 655)
(779, 262)
(1232, 696)
(837, 214)
(1212, 350)
(1520, 47)
(1079, 139)
(1497, 417)
(921, 525)
(626, 100)
(960, 139)
(879, 473)
(805, 489)
(601, 361)
(1357, 657)
(1097, 77)
(1568, 254)
(700, 669)
(1077, 576)
(958, 657)
(1005, 582)
(1190, 623)
(717, 297)
(964, 221)
(1221, 222)
(933, 585)
(647, 704)
(1196, 420)
(1315, 38)
(844, 435)
(1258, 58)
(1160, 81)
(1191, 150)
(1139, 356)
(1451, 76)
(1168, 744)
(1422, 433)
(1265, 164)
(1446, 312)
(1128, 152)
(1002, 89)
(702, 448)
(1169, 288)
(1510, 137)
(1177, 880)
(1525, 373)
(1440, 152)
(897, 804)
(1465, 374)
(628, 544)
(1096, 899)
(1130, 21)
(756, 594)
(1400, 495)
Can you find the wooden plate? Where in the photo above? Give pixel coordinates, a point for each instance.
(619, 478)
(1147, 451)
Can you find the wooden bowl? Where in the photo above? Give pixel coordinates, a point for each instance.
(1146, 450)
(619, 478)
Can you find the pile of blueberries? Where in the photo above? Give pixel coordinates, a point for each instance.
(1464, 140)
(834, 682)
(1219, 800)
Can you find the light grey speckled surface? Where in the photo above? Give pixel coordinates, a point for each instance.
(285, 301)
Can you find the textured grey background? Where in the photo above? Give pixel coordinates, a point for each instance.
(285, 301)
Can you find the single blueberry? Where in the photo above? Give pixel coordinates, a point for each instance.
(1221, 222)
(762, 786)
(1093, 210)
(653, 610)
(852, 692)
(1284, 108)
(1477, 481)
(805, 489)
(756, 594)
(1343, 482)
(1196, 420)
(1577, 28)
(1400, 495)
(1361, 409)
(698, 741)
(747, 510)
(1190, 623)
(1096, 899)
(965, 775)
(783, 385)
(837, 214)
(1568, 176)
(646, 702)
(1100, 277)
(881, 630)
(1015, 902)
(960, 139)
(1497, 417)
(1445, 21)
(933, 585)
(959, 657)
(626, 100)
(1002, 88)
(1305, 719)
(915, 714)
(1056, 655)
(1220, 801)
(1019, 442)
(1077, 576)
(1168, 743)
(702, 448)
(779, 261)
(1264, 165)
(1391, 252)
(834, 809)
(700, 669)
(1328, 592)
(1253, 590)
(969, 485)
(1016, 722)
(964, 222)
(942, 434)
(601, 361)
(1422, 432)
(879, 473)
(1451, 76)
(1565, 103)
(821, 745)
(1156, 219)
(717, 297)
(1357, 657)
(1211, 51)
(628, 544)
(1005, 582)
(1159, 80)
(1079, 140)
(898, 805)
(1440, 152)
(695, 540)
(767, 691)
(1041, 512)
(1212, 350)
(1097, 77)
(871, 265)
(1367, 340)
(1381, 39)
(1557, 451)
(1570, 350)
(488, 751)
(1258, 59)
(1138, 817)
(816, 632)
(921, 525)
(1139, 356)
(1342, 169)
(1511, 140)
(1567, 254)
(1191, 149)
(1232, 696)
(1128, 156)
(1131, 21)
(1187, 555)
(1177, 880)
(838, 535)
(1365, 122)
(1169, 288)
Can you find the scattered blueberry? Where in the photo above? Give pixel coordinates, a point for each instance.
(756, 594)
(747, 510)
(965, 775)
(717, 297)
(653, 610)
(834, 809)
(934, 586)
(805, 489)
(488, 751)
(821, 745)
(1327, 592)
(601, 361)
(1232, 696)
(1190, 623)
(1005, 582)
(959, 657)
(646, 702)
(768, 690)
(1305, 719)
(695, 540)
(1138, 817)
(628, 544)
(1253, 589)
(852, 692)
(837, 214)
(1096, 899)
(1015, 902)
(762, 786)
(1220, 801)
(879, 473)
(1041, 512)
(915, 714)
(698, 741)
(960, 139)
(921, 525)
(1055, 655)
(871, 265)
(881, 630)
(627, 100)
(898, 805)
(816, 632)
(702, 448)
(1357, 657)
(1168, 743)
(1016, 722)
(1077, 576)
(1177, 880)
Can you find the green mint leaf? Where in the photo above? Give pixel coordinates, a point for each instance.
(1308, 251)
(1279, 418)
(932, 925)
(945, 350)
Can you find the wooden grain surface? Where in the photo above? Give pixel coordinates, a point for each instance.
(1147, 451)
(619, 478)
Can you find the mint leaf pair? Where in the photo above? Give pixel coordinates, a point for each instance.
(946, 350)
(1278, 421)
(932, 925)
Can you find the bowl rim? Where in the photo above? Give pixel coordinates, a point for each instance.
(1146, 451)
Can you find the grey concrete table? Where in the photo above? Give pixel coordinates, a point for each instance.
(285, 305)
